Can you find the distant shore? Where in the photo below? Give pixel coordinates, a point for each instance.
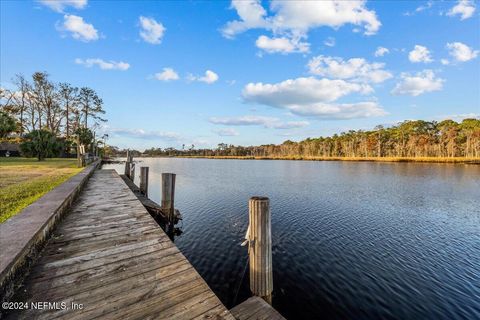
(371, 159)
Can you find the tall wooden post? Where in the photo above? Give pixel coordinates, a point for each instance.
(94, 150)
(260, 248)
(144, 180)
(79, 156)
(132, 171)
(127, 164)
(83, 155)
(168, 197)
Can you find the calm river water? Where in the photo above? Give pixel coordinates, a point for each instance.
(351, 240)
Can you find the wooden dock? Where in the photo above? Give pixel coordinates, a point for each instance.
(109, 259)
(255, 308)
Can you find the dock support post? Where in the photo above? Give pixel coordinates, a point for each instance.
(144, 180)
(132, 171)
(168, 197)
(260, 248)
(127, 164)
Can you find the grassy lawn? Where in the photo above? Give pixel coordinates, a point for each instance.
(23, 181)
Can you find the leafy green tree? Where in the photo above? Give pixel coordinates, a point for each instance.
(111, 151)
(85, 136)
(41, 144)
(91, 105)
(471, 134)
(7, 124)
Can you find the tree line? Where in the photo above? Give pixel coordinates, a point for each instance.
(417, 138)
(58, 115)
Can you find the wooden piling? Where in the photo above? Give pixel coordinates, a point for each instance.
(126, 268)
(127, 164)
(79, 157)
(144, 181)
(132, 171)
(168, 196)
(260, 248)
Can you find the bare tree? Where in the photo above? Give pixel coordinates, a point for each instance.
(46, 96)
(21, 97)
(69, 100)
(6, 97)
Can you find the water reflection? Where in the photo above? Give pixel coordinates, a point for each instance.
(350, 240)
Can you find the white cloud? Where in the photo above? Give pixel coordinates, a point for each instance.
(356, 68)
(445, 62)
(464, 8)
(201, 142)
(267, 122)
(251, 15)
(242, 121)
(78, 28)
(60, 5)
(227, 132)
(420, 54)
(281, 45)
(339, 111)
(329, 42)
(312, 97)
(304, 15)
(102, 64)
(381, 51)
(294, 19)
(459, 117)
(167, 74)
(209, 77)
(461, 52)
(301, 91)
(420, 8)
(420, 83)
(152, 31)
(290, 124)
(143, 134)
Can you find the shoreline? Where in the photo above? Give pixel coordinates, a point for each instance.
(456, 160)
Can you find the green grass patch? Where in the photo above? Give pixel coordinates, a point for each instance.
(23, 181)
(34, 163)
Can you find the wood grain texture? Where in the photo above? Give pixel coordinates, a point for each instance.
(109, 255)
(168, 195)
(260, 248)
(255, 308)
(144, 180)
(151, 206)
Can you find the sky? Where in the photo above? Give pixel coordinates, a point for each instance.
(251, 72)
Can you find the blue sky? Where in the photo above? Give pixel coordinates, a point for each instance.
(251, 72)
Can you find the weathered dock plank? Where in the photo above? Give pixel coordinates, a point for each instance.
(151, 206)
(255, 308)
(109, 256)
(24, 235)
